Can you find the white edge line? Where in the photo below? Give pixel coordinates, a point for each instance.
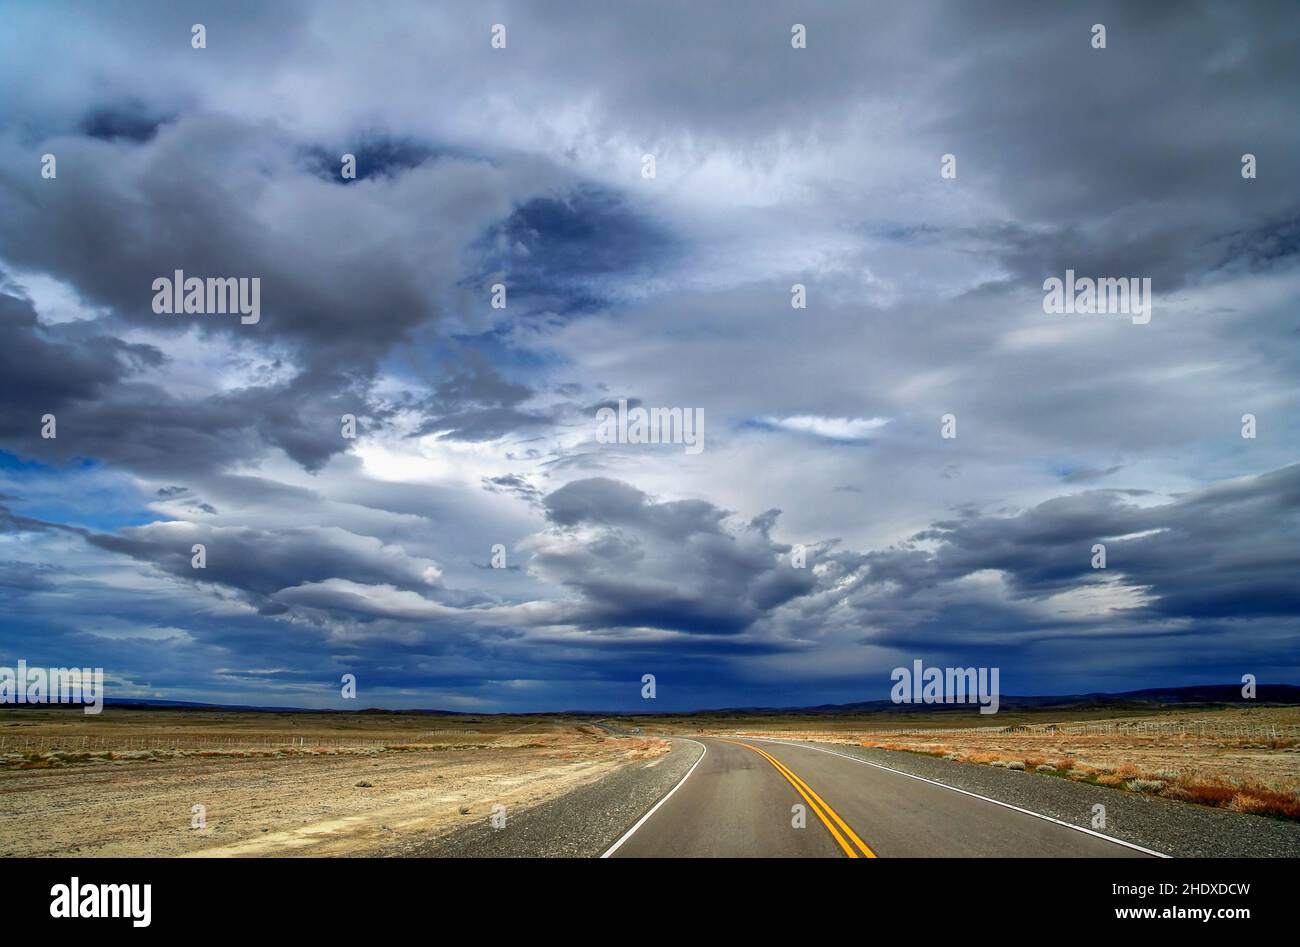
(966, 792)
(641, 821)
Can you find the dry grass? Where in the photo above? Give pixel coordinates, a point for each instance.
(1221, 791)
(1242, 797)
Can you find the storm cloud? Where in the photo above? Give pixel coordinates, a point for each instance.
(465, 540)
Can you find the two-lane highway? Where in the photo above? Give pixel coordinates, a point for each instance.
(739, 799)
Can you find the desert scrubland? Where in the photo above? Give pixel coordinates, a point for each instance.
(126, 782)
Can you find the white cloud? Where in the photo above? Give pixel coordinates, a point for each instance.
(835, 429)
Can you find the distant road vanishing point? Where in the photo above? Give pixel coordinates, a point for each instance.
(740, 800)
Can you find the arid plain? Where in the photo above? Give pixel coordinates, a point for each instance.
(127, 782)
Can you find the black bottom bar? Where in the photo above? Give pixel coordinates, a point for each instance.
(369, 896)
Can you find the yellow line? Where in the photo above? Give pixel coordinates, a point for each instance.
(834, 815)
(809, 795)
(848, 850)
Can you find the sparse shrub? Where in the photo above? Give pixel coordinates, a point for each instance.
(1260, 801)
(1282, 744)
(1203, 791)
(1145, 785)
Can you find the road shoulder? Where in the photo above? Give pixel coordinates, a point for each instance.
(582, 823)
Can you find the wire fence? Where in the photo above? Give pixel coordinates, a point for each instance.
(1127, 728)
(82, 743)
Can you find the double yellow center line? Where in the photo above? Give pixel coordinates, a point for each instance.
(838, 828)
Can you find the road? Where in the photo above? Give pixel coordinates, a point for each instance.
(737, 802)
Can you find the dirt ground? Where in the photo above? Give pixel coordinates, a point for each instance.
(268, 789)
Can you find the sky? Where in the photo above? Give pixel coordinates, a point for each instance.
(919, 169)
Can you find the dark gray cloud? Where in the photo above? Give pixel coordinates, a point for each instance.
(472, 402)
(44, 369)
(263, 562)
(514, 485)
(87, 379)
(1226, 551)
(344, 279)
(676, 565)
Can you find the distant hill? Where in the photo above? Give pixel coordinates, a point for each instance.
(1207, 695)
(144, 703)
(1199, 695)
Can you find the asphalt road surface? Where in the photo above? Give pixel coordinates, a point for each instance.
(738, 802)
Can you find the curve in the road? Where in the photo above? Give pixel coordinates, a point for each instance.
(818, 805)
(731, 803)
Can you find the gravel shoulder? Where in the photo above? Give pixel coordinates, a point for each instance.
(582, 823)
(1173, 828)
